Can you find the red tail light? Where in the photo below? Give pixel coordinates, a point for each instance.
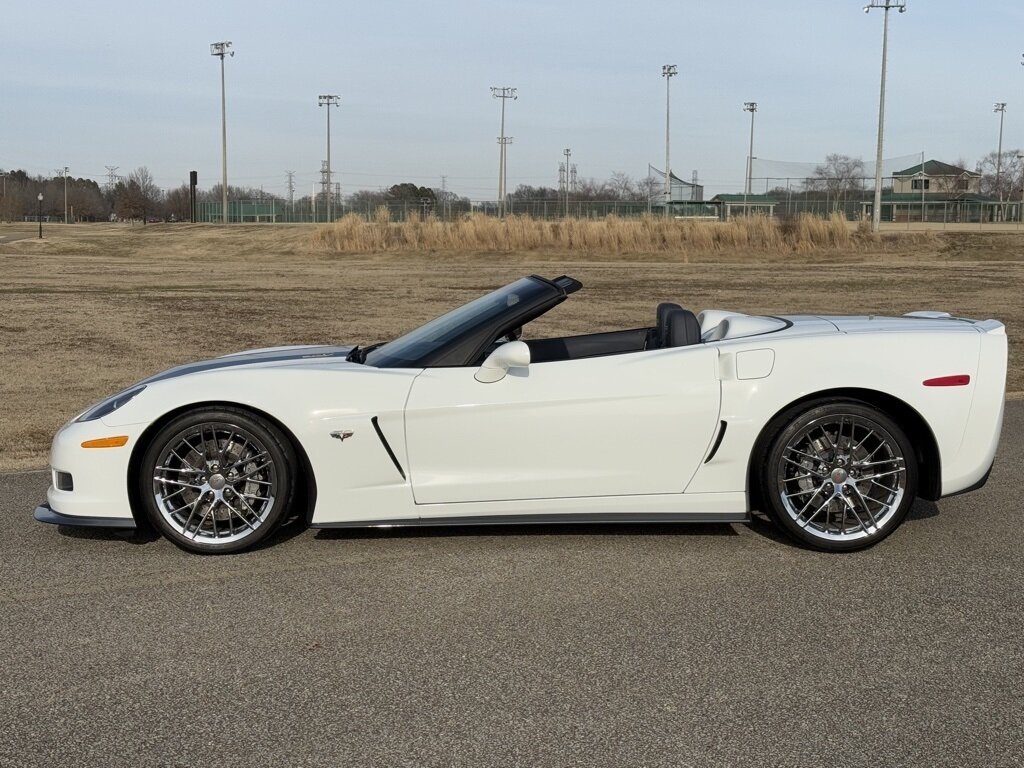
(960, 380)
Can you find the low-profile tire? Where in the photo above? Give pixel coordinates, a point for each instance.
(217, 480)
(837, 475)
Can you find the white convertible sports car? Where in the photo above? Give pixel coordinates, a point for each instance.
(830, 425)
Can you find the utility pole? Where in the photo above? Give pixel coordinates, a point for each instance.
(751, 107)
(1000, 107)
(221, 50)
(504, 93)
(886, 6)
(111, 176)
(291, 193)
(328, 100)
(668, 71)
(324, 186)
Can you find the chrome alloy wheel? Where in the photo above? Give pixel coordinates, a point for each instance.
(842, 477)
(215, 483)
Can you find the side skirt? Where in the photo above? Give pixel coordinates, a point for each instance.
(547, 519)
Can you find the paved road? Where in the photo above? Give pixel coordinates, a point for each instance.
(700, 646)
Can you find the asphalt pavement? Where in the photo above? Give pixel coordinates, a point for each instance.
(551, 646)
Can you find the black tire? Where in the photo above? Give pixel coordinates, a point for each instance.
(188, 484)
(829, 463)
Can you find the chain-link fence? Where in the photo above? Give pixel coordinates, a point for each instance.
(895, 209)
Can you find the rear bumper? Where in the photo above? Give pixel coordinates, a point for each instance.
(46, 514)
(976, 486)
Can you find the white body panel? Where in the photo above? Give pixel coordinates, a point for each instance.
(606, 426)
(627, 433)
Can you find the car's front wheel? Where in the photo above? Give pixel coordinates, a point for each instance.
(838, 475)
(217, 480)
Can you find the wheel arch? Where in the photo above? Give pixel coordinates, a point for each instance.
(926, 448)
(307, 480)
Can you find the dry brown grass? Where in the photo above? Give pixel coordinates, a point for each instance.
(612, 235)
(94, 308)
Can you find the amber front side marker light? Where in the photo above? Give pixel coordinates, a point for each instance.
(106, 442)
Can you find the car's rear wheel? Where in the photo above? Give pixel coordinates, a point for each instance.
(217, 480)
(838, 475)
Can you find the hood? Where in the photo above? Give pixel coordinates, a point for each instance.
(317, 353)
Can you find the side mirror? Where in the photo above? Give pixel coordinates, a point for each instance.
(511, 354)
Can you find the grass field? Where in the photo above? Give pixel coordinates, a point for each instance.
(92, 308)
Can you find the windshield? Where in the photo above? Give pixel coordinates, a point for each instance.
(418, 344)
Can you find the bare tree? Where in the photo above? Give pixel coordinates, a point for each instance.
(839, 176)
(1009, 175)
(178, 204)
(622, 186)
(138, 197)
(648, 188)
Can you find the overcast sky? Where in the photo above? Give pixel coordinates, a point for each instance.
(130, 84)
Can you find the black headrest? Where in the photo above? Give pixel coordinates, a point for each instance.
(682, 328)
(661, 325)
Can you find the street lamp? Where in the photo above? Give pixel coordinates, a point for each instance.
(221, 49)
(39, 214)
(751, 107)
(886, 6)
(668, 71)
(328, 100)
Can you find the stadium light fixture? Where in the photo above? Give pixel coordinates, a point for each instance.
(221, 50)
(504, 93)
(751, 107)
(1020, 163)
(668, 71)
(328, 100)
(1000, 107)
(39, 214)
(885, 6)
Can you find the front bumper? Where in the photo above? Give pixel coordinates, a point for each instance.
(100, 475)
(46, 514)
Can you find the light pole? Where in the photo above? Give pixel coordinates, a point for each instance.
(65, 175)
(1020, 163)
(668, 71)
(886, 6)
(1000, 107)
(568, 153)
(221, 49)
(504, 93)
(751, 107)
(39, 214)
(328, 100)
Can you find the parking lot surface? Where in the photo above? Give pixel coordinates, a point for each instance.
(532, 646)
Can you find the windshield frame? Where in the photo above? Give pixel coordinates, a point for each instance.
(460, 336)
